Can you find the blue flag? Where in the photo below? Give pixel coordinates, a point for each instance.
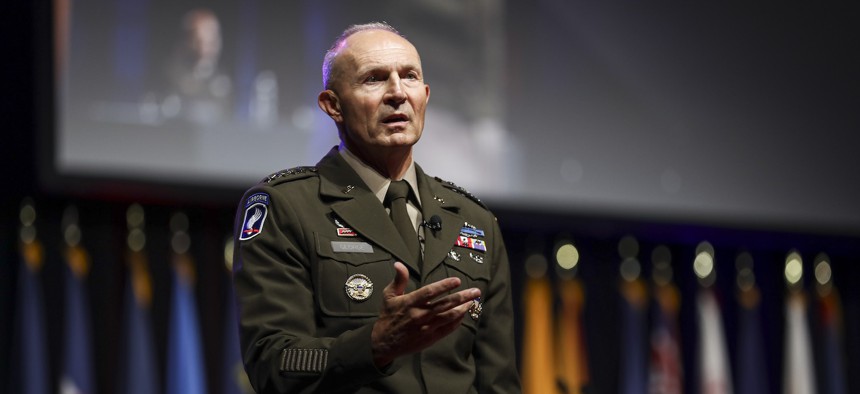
(634, 361)
(139, 372)
(77, 373)
(233, 377)
(185, 367)
(33, 374)
(833, 376)
(751, 368)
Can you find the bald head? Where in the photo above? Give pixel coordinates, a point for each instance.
(330, 69)
(376, 95)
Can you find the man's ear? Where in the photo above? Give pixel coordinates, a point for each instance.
(330, 104)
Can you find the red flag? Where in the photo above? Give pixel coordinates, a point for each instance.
(665, 375)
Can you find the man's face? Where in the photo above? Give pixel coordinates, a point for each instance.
(380, 92)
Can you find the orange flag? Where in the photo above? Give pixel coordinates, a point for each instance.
(538, 371)
(570, 353)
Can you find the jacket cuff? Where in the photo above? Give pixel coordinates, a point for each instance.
(354, 357)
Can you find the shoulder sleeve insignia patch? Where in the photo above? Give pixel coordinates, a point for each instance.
(290, 174)
(256, 210)
(459, 190)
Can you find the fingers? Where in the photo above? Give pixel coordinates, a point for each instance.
(432, 291)
(398, 285)
(460, 298)
(457, 312)
(431, 303)
(446, 322)
(453, 321)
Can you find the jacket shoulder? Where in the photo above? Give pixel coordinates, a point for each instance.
(289, 175)
(461, 191)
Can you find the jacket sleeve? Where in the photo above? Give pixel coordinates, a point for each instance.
(495, 352)
(278, 314)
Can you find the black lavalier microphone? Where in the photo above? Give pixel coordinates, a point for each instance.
(435, 223)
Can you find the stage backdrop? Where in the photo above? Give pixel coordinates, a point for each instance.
(726, 112)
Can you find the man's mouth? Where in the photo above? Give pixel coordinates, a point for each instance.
(396, 118)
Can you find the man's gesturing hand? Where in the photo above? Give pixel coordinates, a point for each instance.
(411, 322)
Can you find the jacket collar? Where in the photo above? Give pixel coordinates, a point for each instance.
(359, 208)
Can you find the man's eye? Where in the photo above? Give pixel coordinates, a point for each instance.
(411, 76)
(371, 78)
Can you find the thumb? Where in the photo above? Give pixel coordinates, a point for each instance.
(398, 285)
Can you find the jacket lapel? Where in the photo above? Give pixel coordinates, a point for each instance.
(436, 200)
(358, 207)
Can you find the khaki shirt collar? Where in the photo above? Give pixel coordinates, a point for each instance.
(377, 183)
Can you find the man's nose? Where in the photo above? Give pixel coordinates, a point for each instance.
(394, 90)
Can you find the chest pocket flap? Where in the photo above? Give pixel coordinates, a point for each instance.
(338, 261)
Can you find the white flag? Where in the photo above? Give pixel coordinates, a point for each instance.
(714, 370)
(799, 371)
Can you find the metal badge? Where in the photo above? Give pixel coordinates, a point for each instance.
(348, 189)
(476, 309)
(478, 258)
(358, 287)
(342, 229)
(454, 255)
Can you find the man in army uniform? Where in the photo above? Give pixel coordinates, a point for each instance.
(363, 274)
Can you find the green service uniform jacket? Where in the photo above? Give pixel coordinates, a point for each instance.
(304, 233)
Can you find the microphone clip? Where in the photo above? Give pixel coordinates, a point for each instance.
(435, 223)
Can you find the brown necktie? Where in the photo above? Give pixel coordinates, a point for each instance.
(395, 200)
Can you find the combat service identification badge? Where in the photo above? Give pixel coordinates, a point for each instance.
(256, 209)
(358, 287)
